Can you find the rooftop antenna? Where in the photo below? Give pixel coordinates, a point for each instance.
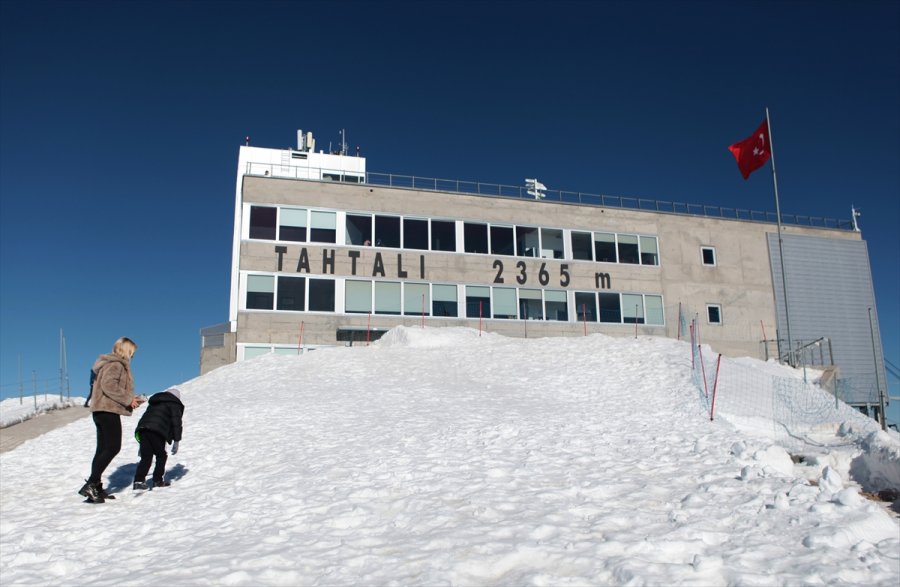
(343, 141)
(855, 213)
(536, 189)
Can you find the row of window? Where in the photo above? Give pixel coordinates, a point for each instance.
(430, 234)
(356, 296)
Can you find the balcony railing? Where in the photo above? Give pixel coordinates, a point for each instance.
(560, 196)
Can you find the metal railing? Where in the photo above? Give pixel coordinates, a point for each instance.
(495, 190)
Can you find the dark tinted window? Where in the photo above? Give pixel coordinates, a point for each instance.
(475, 236)
(502, 240)
(581, 246)
(415, 234)
(291, 293)
(262, 222)
(443, 236)
(586, 306)
(387, 231)
(610, 310)
(359, 230)
(321, 295)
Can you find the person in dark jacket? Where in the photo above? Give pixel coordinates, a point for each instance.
(160, 424)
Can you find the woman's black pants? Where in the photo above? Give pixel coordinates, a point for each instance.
(109, 442)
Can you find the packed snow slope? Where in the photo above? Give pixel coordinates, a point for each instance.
(445, 457)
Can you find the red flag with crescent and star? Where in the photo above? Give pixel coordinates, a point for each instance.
(753, 152)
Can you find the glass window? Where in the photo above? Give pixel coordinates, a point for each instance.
(714, 313)
(586, 306)
(291, 293)
(260, 292)
(628, 249)
(530, 304)
(605, 247)
(610, 309)
(475, 237)
(654, 307)
(321, 295)
(359, 230)
(445, 302)
(415, 234)
(415, 299)
(443, 235)
(709, 255)
(551, 243)
(581, 246)
(387, 297)
(251, 352)
(478, 301)
(323, 227)
(505, 302)
(527, 241)
(632, 308)
(358, 296)
(262, 222)
(557, 305)
(292, 225)
(502, 240)
(649, 251)
(387, 231)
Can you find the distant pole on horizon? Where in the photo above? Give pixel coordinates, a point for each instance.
(787, 316)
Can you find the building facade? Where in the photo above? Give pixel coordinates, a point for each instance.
(326, 253)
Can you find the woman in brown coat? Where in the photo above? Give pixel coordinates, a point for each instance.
(112, 396)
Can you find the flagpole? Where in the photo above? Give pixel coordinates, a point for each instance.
(787, 316)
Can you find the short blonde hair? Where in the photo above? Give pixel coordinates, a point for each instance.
(124, 347)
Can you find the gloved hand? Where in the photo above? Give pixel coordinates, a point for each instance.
(175, 447)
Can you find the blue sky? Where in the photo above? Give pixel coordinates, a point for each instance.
(120, 124)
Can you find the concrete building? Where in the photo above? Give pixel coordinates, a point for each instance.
(327, 253)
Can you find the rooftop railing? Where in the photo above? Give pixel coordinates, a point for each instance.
(560, 196)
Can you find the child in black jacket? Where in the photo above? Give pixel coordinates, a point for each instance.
(160, 424)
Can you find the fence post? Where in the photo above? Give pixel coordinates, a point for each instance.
(712, 408)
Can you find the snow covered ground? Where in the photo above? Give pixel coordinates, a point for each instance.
(441, 457)
(16, 410)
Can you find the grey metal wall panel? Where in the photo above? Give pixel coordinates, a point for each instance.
(829, 292)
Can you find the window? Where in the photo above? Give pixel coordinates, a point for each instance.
(502, 240)
(654, 307)
(260, 292)
(292, 225)
(387, 231)
(632, 309)
(628, 249)
(445, 303)
(387, 298)
(649, 251)
(605, 247)
(359, 230)
(586, 306)
(714, 313)
(251, 352)
(321, 295)
(530, 306)
(415, 234)
(581, 246)
(357, 297)
(478, 301)
(552, 243)
(610, 310)
(708, 255)
(291, 294)
(475, 237)
(322, 227)
(262, 222)
(443, 235)
(527, 241)
(557, 306)
(505, 303)
(415, 299)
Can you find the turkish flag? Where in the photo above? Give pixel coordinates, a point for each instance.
(753, 152)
